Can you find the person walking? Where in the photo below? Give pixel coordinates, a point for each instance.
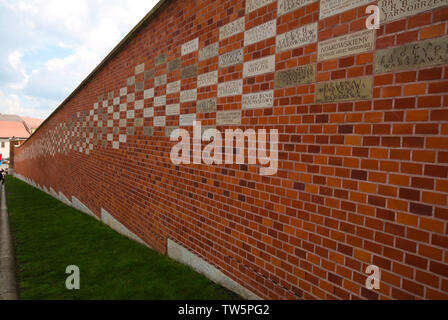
(2, 176)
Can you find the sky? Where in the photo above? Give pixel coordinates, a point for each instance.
(48, 47)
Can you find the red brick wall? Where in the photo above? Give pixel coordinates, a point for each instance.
(359, 182)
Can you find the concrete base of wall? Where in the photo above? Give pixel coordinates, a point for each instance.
(113, 223)
(182, 255)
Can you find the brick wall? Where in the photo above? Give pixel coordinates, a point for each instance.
(361, 181)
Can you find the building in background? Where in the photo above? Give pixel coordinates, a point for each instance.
(13, 126)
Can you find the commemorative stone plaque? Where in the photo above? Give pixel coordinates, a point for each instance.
(159, 121)
(208, 79)
(188, 95)
(130, 82)
(260, 66)
(258, 100)
(330, 8)
(160, 59)
(174, 65)
(139, 104)
(294, 77)
(160, 80)
(399, 9)
(206, 106)
(419, 54)
(209, 52)
(140, 68)
(169, 130)
(173, 87)
(252, 5)
(232, 28)
(349, 44)
(344, 90)
(148, 94)
(159, 101)
(186, 120)
(231, 58)
(262, 32)
(172, 109)
(148, 112)
(123, 91)
(190, 46)
(148, 131)
(139, 86)
(228, 118)
(149, 74)
(189, 72)
(297, 38)
(285, 6)
(231, 88)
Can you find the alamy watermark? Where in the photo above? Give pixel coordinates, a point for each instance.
(227, 148)
(73, 281)
(373, 21)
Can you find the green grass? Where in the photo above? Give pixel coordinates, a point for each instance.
(49, 236)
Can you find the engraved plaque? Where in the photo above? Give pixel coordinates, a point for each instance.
(169, 130)
(330, 8)
(130, 82)
(149, 93)
(399, 9)
(159, 121)
(294, 77)
(285, 6)
(186, 120)
(260, 66)
(140, 68)
(208, 79)
(252, 5)
(228, 118)
(148, 112)
(297, 38)
(231, 88)
(262, 32)
(123, 92)
(232, 28)
(209, 52)
(189, 72)
(419, 54)
(149, 74)
(148, 131)
(188, 95)
(174, 65)
(139, 104)
(160, 59)
(173, 87)
(172, 109)
(138, 122)
(206, 106)
(160, 80)
(130, 97)
(349, 44)
(231, 58)
(190, 46)
(258, 100)
(344, 90)
(139, 86)
(159, 101)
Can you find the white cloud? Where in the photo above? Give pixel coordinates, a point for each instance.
(34, 77)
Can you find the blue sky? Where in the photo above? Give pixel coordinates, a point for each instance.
(47, 47)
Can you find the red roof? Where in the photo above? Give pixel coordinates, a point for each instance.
(13, 129)
(32, 123)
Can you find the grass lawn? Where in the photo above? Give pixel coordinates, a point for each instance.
(49, 236)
